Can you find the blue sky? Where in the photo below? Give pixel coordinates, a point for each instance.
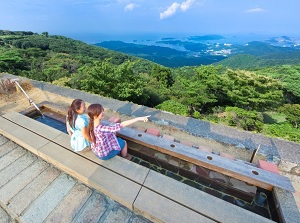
(120, 17)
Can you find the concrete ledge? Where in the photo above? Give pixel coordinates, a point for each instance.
(161, 209)
(200, 202)
(32, 125)
(115, 186)
(286, 206)
(21, 136)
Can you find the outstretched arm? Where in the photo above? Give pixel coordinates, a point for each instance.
(131, 121)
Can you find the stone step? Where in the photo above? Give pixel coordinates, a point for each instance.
(68, 208)
(16, 167)
(3, 140)
(47, 202)
(4, 217)
(9, 190)
(11, 157)
(25, 197)
(94, 208)
(118, 214)
(7, 147)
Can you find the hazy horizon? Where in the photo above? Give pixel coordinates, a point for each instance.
(120, 19)
(93, 38)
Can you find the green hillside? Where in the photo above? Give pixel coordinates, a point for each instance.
(23, 48)
(261, 55)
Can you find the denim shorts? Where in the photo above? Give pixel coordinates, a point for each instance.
(113, 153)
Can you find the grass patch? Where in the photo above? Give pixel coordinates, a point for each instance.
(273, 117)
(282, 130)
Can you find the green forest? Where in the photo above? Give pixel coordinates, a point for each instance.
(264, 99)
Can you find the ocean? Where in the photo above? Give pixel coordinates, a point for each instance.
(153, 38)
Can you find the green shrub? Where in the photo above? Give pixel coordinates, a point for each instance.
(197, 115)
(282, 130)
(247, 120)
(174, 107)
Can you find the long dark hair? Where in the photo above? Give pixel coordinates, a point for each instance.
(93, 110)
(72, 114)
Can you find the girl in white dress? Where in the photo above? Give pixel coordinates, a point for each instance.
(77, 126)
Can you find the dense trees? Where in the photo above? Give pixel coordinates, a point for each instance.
(250, 91)
(292, 113)
(289, 76)
(235, 97)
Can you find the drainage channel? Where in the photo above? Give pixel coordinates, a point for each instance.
(249, 197)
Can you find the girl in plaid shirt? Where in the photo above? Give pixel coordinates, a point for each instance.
(105, 144)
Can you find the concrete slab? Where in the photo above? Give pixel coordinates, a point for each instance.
(139, 219)
(3, 140)
(15, 168)
(63, 139)
(21, 136)
(25, 197)
(7, 147)
(32, 125)
(93, 210)
(161, 209)
(112, 184)
(12, 157)
(288, 151)
(118, 214)
(14, 186)
(4, 217)
(200, 202)
(125, 168)
(286, 206)
(45, 203)
(68, 208)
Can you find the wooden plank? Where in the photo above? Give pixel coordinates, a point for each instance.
(238, 170)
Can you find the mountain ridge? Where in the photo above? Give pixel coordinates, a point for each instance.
(205, 50)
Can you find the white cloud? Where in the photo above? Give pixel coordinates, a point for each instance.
(173, 8)
(170, 11)
(186, 5)
(130, 7)
(255, 10)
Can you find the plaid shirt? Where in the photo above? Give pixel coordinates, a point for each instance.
(106, 139)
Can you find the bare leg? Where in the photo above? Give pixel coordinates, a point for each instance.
(124, 152)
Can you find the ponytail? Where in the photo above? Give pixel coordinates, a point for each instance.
(72, 114)
(94, 110)
(91, 130)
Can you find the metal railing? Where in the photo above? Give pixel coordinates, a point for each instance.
(30, 100)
